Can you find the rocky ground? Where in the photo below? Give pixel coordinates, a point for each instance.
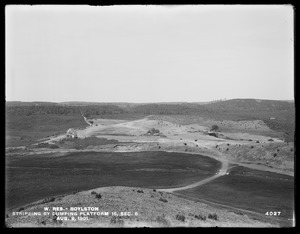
(130, 207)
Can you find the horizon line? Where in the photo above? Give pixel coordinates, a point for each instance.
(223, 99)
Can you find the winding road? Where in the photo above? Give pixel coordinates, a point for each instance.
(221, 172)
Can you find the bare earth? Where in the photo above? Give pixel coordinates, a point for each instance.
(160, 208)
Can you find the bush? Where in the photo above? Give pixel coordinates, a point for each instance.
(213, 216)
(93, 192)
(99, 196)
(115, 220)
(214, 128)
(180, 217)
(140, 191)
(213, 134)
(50, 199)
(153, 131)
(270, 139)
(154, 190)
(202, 218)
(274, 155)
(163, 200)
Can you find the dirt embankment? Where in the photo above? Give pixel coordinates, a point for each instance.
(141, 208)
(275, 155)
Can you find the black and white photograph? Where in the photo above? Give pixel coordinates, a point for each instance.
(157, 116)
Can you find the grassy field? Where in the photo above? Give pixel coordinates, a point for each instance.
(32, 178)
(25, 130)
(249, 189)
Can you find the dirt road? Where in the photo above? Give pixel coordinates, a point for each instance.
(221, 172)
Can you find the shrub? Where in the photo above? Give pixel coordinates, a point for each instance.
(214, 128)
(252, 147)
(93, 192)
(213, 216)
(257, 141)
(201, 217)
(270, 139)
(163, 200)
(50, 199)
(184, 144)
(99, 196)
(115, 220)
(140, 191)
(154, 190)
(153, 131)
(274, 155)
(213, 134)
(180, 217)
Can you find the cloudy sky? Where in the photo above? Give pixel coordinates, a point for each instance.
(149, 53)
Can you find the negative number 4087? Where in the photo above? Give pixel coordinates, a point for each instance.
(271, 213)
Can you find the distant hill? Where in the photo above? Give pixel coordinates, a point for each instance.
(118, 104)
(278, 115)
(19, 103)
(250, 104)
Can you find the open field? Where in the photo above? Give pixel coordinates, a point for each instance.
(249, 189)
(35, 177)
(26, 130)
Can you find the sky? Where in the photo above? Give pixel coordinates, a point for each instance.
(187, 53)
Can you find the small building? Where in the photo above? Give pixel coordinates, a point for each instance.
(72, 133)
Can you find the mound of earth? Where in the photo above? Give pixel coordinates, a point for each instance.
(128, 207)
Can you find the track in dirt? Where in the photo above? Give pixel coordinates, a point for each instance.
(221, 172)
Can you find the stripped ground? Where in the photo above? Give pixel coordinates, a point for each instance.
(240, 147)
(229, 147)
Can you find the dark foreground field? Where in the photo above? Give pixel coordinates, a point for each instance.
(249, 189)
(31, 178)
